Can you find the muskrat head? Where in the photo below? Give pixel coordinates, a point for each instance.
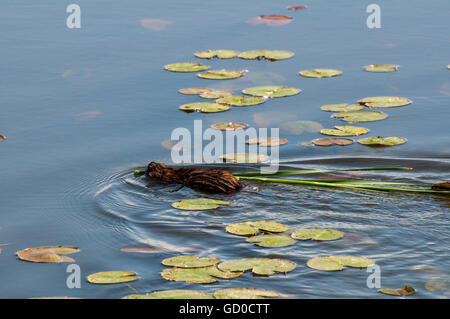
(155, 169)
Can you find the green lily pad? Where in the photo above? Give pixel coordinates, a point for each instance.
(271, 55)
(199, 204)
(215, 94)
(194, 91)
(186, 67)
(271, 91)
(202, 275)
(335, 263)
(382, 141)
(54, 254)
(298, 127)
(341, 107)
(267, 142)
(229, 126)
(271, 240)
(244, 158)
(317, 234)
(112, 277)
(173, 294)
(405, 291)
(240, 100)
(361, 116)
(220, 75)
(270, 226)
(204, 107)
(245, 293)
(253, 228)
(190, 261)
(384, 101)
(346, 130)
(438, 283)
(220, 54)
(258, 266)
(328, 141)
(381, 68)
(320, 73)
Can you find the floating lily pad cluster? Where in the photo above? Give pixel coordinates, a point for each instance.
(229, 293)
(335, 263)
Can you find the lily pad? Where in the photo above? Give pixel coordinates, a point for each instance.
(240, 100)
(199, 204)
(360, 116)
(271, 240)
(317, 234)
(190, 261)
(186, 67)
(54, 254)
(258, 266)
(194, 91)
(271, 55)
(341, 107)
(381, 68)
(384, 101)
(320, 73)
(220, 54)
(253, 228)
(204, 107)
(202, 275)
(220, 75)
(112, 277)
(267, 142)
(271, 20)
(229, 126)
(328, 141)
(245, 293)
(335, 263)
(173, 294)
(354, 262)
(270, 226)
(346, 130)
(244, 158)
(382, 141)
(215, 94)
(271, 91)
(405, 291)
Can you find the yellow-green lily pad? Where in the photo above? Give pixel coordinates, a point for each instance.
(190, 261)
(345, 130)
(361, 116)
(271, 91)
(186, 67)
(194, 91)
(220, 54)
(173, 294)
(112, 277)
(245, 293)
(53, 254)
(271, 240)
(229, 126)
(199, 204)
(204, 275)
(244, 158)
(405, 291)
(381, 68)
(204, 107)
(384, 101)
(320, 73)
(328, 141)
(382, 141)
(267, 141)
(271, 55)
(252, 228)
(220, 75)
(341, 107)
(240, 100)
(318, 234)
(215, 94)
(258, 266)
(335, 263)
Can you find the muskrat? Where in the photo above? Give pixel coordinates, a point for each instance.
(212, 181)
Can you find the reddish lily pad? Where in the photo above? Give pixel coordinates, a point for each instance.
(328, 141)
(54, 254)
(296, 8)
(270, 20)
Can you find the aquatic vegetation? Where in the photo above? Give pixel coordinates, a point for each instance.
(202, 275)
(361, 116)
(220, 54)
(271, 55)
(215, 94)
(244, 158)
(381, 68)
(245, 293)
(240, 100)
(112, 277)
(173, 294)
(271, 91)
(186, 67)
(346, 130)
(270, 20)
(296, 8)
(194, 91)
(271, 240)
(405, 291)
(320, 73)
(229, 126)
(53, 254)
(204, 107)
(220, 75)
(341, 107)
(336, 263)
(382, 141)
(199, 204)
(267, 141)
(190, 261)
(253, 228)
(317, 234)
(384, 101)
(258, 266)
(328, 141)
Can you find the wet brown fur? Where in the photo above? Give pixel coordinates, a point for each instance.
(212, 181)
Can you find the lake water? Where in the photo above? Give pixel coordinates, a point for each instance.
(82, 108)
